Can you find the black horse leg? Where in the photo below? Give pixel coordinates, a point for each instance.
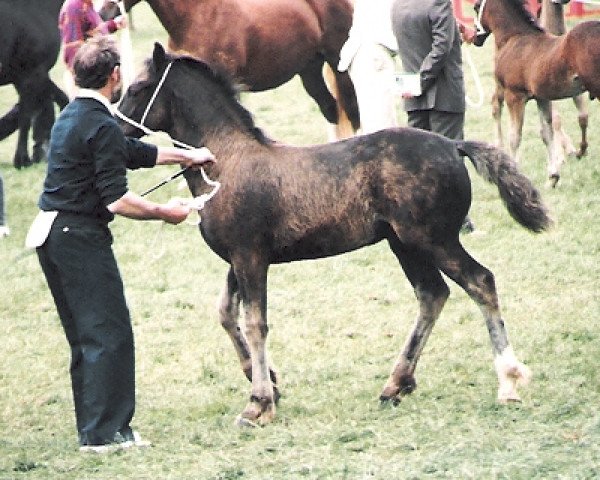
(479, 284)
(229, 310)
(59, 97)
(431, 292)
(42, 124)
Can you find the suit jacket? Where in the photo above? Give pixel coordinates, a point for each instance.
(429, 44)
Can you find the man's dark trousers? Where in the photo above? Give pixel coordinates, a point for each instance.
(82, 273)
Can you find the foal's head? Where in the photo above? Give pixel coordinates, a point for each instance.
(148, 100)
(502, 15)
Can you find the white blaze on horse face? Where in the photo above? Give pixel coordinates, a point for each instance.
(511, 373)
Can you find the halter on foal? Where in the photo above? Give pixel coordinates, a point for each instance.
(533, 64)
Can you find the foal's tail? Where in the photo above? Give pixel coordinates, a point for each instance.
(521, 198)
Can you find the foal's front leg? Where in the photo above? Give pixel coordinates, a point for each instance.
(516, 109)
(252, 280)
(229, 310)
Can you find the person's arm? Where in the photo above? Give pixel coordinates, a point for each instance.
(133, 206)
(146, 155)
(186, 158)
(443, 28)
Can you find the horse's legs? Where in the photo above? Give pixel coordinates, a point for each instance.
(21, 158)
(582, 118)
(497, 104)
(516, 108)
(315, 86)
(553, 142)
(251, 275)
(229, 310)
(431, 292)
(479, 284)
(42, 124)
(561, 137)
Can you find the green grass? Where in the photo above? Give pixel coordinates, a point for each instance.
(337, 326)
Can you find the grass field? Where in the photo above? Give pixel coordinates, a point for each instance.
(337, 326)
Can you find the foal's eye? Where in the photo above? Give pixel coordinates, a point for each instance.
(137, 87)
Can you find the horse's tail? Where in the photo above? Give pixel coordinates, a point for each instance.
(521, 198)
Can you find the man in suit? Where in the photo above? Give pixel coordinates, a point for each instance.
(429, 45)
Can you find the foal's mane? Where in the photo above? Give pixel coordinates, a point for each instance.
(230, 93)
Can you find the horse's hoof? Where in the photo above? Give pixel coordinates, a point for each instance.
(39, 154)
(22, 162)
(553, 180)
(393, 401)
(244, 422)
(509, 400)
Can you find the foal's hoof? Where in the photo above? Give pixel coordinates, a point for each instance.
(243, 422)
(393, 393)
(553, 180)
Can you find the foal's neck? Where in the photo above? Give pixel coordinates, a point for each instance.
(552, 17)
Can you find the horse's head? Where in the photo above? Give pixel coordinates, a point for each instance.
(500, 15)
(483, 31)
(110, 8)
(147, 102)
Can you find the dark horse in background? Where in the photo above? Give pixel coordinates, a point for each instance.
(534, 64)
(262, 44)
(29, 46)
(278, 203)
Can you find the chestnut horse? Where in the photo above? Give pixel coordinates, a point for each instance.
(279, 203)
(532, 63)
(552, 19)
(262, 44)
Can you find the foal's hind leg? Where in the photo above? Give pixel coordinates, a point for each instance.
(229, 311)
(516, 109)
(431, 292)
(582, 118)
(497, 104)
(479, 284)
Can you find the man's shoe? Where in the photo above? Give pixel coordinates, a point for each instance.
(120, 443)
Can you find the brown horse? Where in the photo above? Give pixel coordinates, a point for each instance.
(534, 64)
(262, 44)
(278, 203)
(552, 19)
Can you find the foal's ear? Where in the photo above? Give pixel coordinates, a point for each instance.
(159, 57)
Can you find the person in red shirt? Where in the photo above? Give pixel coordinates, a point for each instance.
(78, 21)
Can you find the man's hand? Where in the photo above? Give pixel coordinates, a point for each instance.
(198, 157)
(175, 211)
(467, 33)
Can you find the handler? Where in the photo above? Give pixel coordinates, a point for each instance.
(85, 187)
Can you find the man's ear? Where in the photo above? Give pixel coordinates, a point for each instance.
(115, 75)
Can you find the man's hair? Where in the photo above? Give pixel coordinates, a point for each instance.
(95, 61)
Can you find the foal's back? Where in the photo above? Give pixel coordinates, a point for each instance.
(293, 203)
